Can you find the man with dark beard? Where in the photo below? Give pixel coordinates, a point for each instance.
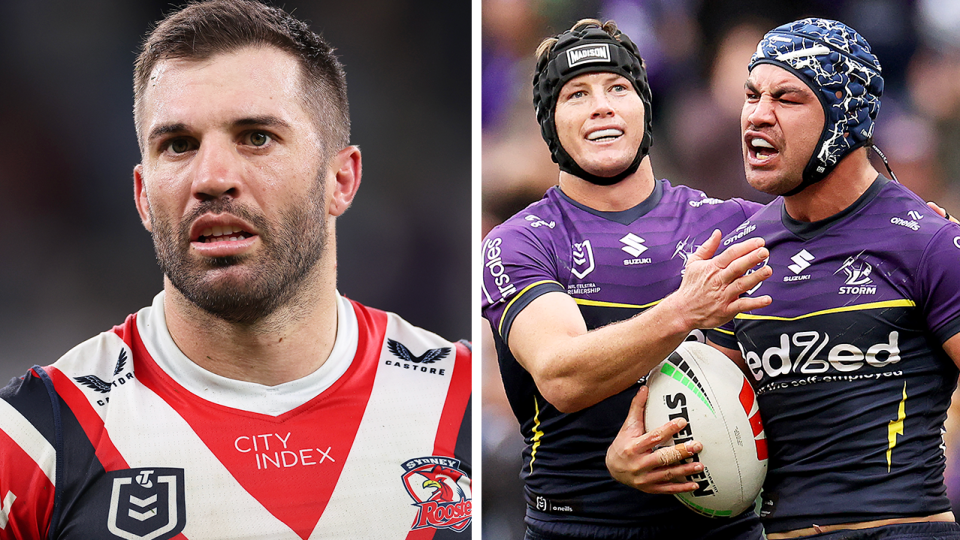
(250, 400)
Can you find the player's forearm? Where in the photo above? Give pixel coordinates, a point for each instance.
(583, 370)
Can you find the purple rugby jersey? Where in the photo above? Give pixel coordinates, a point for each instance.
(852, 380)
(615, 265)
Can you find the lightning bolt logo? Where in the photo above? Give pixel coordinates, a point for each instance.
(537, 434)
(896, 427)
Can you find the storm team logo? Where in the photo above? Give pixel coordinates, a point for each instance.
(147, 504)
(441, 491)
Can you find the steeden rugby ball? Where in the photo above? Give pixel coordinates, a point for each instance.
(701, 384)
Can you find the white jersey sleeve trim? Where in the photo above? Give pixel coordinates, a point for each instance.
(243, 395)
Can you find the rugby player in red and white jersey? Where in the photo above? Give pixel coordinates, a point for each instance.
(251, 399)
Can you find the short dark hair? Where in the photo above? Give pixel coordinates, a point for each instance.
(203, 29)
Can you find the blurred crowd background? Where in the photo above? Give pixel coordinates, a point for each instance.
(74, 258)
(696, 52)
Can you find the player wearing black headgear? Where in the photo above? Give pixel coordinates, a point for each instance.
(588, 48)
(581, 291)
(856, 359)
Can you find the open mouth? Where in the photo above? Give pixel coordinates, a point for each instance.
(761, 149)
(605, 135)
(226, 233)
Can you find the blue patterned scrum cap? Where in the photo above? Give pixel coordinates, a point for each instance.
(836, 63)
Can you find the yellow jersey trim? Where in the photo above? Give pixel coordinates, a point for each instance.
(517, 297)
(862, 307)
(598, 303)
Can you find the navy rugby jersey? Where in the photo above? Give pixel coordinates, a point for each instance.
(852, 380)
(615, 265)
(125, 437)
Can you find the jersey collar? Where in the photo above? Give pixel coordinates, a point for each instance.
(243, 395)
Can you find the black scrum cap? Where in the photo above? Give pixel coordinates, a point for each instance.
(588, 49)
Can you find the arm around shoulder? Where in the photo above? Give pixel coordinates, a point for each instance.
(574, 368)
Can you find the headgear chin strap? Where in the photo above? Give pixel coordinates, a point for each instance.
(588, 49)
(836, 63)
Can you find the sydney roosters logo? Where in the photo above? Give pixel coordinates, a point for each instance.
(441, 491)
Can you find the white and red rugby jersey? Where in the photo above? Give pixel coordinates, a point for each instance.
(124, 437)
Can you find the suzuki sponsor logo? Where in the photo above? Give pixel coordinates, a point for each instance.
(634, 246)
(858, 279)
(912, 225)
(801, 261)
(494, 265)
(586, 54)
(582, 259)
(537, 222)
(800, 353)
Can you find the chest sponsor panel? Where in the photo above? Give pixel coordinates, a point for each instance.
(832, 347)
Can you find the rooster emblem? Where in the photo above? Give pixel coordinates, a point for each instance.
(441, 491)
(98, 384)
(443, 481)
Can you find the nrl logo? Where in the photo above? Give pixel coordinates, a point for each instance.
(147, 504)
(440, 491)
(582, 257)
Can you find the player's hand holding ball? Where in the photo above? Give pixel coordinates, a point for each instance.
(636, 459)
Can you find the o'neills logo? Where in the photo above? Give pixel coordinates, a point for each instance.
(441, 491)
(585, 54)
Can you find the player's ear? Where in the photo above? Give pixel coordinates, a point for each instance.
(140, 197)
(346, 166)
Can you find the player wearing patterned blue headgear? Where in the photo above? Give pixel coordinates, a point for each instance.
(855, 360)
(835, 62)
(581, 292)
